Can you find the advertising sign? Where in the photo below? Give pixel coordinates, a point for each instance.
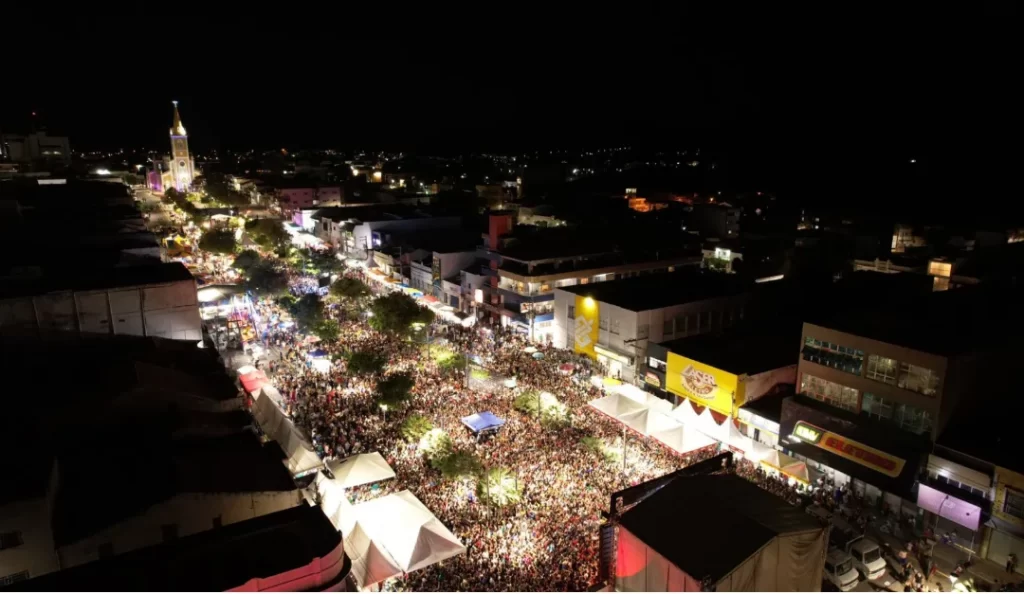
(949, 507)
(705, 385)
(652, 378)
(847, 448)
(436, 271)
(585, 326)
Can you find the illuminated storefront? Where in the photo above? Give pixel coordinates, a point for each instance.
(702, 384)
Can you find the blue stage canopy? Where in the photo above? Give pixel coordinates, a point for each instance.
(318, 354)
(483, 421)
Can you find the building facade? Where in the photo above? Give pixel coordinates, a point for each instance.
(182, 164)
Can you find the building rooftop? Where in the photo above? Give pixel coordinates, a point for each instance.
(735, 519)
(942, 323)
(1000, 432)
(769, 406)
(656, 291)
(212, 561)
(749, 349)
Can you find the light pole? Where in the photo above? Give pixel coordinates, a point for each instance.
(624, 450)
(384, 408)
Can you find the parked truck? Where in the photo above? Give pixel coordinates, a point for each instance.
(867, 555)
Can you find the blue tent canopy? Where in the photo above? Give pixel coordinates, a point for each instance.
(318, 354)
(484, 421)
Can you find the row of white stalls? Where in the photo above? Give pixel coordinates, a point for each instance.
(384, 537)
(684, 430)
(680, 428)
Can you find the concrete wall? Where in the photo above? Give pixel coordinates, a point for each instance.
(758, 385)
(30, 517)
(191, 512)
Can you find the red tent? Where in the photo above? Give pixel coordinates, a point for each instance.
(253, 380)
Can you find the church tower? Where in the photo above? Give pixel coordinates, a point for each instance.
(182, 167)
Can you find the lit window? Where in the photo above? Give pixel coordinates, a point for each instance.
(918, 379)
(833, 355)
(837, 395)
(882, 369)
(1014, 503)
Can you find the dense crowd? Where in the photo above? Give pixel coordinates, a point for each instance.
(549, 541)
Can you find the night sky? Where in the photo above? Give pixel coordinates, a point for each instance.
(780, 86)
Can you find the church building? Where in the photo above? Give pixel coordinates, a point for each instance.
(176, 170)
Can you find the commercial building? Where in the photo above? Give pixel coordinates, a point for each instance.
(37, 148)
(616, 322)
(357, 231)
(718, 533)
(297, 196)
(529, 266)
(725, 370)
(104, 468)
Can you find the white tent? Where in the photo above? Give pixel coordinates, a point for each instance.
(648, 422)
(299, 455)
(361, 469)
(412, 536)
(683, 439)
(703, 422)
(616, 405)
(643, 397)
(370, 563)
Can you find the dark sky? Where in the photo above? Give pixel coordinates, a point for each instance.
(866, 78)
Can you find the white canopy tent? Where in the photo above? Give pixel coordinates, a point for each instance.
(703, 422)
(643, 397)
(683, 439)
(299, 455)
(396, 532)
(616, 405)
(361, 469)
(648, 422)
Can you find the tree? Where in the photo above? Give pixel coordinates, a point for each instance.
(327, 330)
(456, 465)
(246, 260)
(267, 233)
(498, 487)
(397, 313)
(352, 289)
(218, 241)
(365, 363)
(395, 389)
(414, 427)
(308, 311)
(171, 196)
(436, 444)
(265, 280)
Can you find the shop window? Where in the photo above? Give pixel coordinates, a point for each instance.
(1014, 503)
(918, 379)
(604, 323)
(666, 328)
(656, 364)
(906, 417)
(833, 355)
(882, 369)
(831, 393)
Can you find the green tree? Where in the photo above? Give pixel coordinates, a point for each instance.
(397, 313)
(395, 389)
(436, 444)
(414, 427)
(267, 233)
(365, 363)
(457, 465)
(265, 280)
(171, 196)
(308, 311)
(498, 487)
(218, 241)
(246, 260)
(349, 289)
(286, 301)
(327, 330)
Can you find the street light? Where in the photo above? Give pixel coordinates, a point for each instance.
(384, 408)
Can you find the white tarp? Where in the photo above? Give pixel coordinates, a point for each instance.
(616, 405)
(703, 422)
(361, 469)
(643, 397)
(410, 534)
(683, 439)
(647, 422)
(299, 455)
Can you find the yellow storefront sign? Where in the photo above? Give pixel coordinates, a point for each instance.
(585, 326)
(705, 385)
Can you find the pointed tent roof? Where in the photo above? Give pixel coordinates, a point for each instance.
(176, 128)
(615, 405)
(361, 469)
(404, 527)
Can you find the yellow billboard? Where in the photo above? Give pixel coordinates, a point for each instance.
(705, 385)
(585, 326)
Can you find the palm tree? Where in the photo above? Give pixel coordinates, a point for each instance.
(498, 487)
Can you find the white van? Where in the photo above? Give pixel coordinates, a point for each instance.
(867, 558)
(839, 570)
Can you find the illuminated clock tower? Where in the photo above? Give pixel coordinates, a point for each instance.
(182, 167)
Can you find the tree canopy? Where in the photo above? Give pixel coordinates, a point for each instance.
(415, 427)
(349, 288)
(308, 311)
(218, 241)
(267, 233)
(457, 464)
(327, 330)
(498, 487)
(365, 363)
(396, 313)
(246, 260)
(266, 280)
(395, 389)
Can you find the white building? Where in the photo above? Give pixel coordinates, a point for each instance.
(630, 313)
